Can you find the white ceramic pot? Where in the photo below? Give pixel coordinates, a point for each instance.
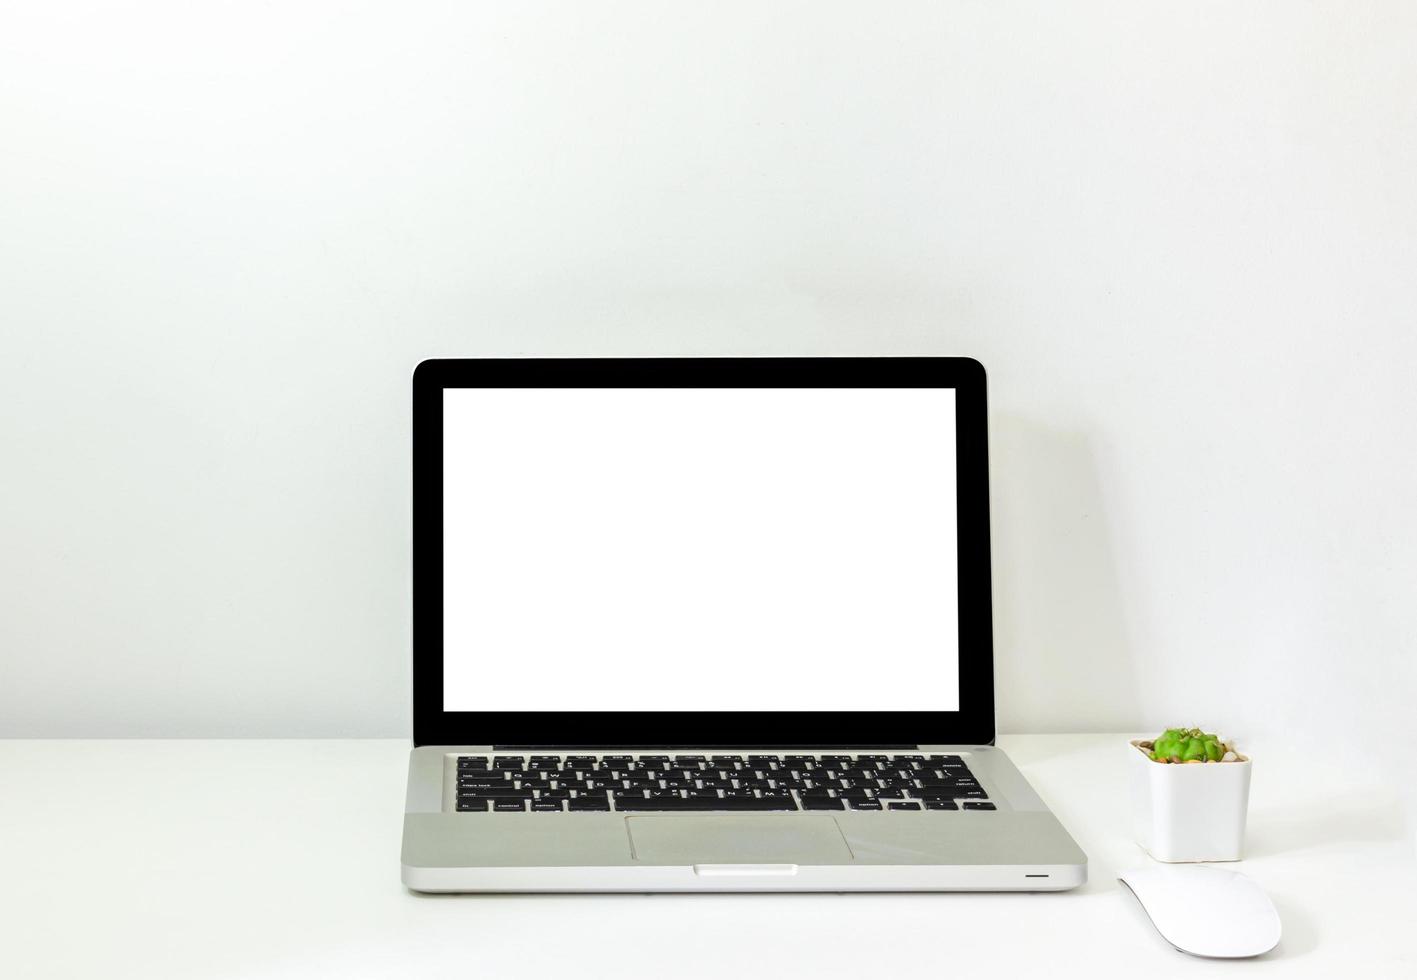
(1190, 812)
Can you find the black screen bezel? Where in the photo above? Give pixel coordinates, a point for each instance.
(973, 724)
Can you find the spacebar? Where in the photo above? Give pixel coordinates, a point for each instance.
(730, 803)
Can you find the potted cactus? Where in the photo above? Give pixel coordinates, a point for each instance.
(1190, 794)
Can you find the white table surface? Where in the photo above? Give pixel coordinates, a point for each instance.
(203, 859)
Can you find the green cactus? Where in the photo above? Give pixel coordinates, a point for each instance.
(1185, 744)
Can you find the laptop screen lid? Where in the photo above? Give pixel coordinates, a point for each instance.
(709, 552)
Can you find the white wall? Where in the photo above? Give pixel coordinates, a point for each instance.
(1180, 235)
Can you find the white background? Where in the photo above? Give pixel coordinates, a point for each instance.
(699, 549)
(1180, 235)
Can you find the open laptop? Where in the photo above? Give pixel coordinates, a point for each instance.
(709, 624)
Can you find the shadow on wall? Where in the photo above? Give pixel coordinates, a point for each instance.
(1062, 659)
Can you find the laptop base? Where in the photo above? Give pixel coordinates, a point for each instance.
(1018, 846)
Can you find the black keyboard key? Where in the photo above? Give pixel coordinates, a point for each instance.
(855, 783)
(580, 761)
(865, 804)
(940, 794)
(539, 762)
(941, 805)
(508, 762)
(947, 783)
(545, 806)
(725, 803)
(978, 805)
(489, 778)
(472, 805)
(598, 804)
(903, 806)
(472, 762)
(727, 761)
(611, 761)
(822, 803)
(508, 806)
(494, 793)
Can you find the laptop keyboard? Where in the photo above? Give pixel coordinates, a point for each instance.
(648, 783)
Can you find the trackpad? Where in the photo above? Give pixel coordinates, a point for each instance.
(737, 838)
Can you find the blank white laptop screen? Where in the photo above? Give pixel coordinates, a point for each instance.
(699, 549)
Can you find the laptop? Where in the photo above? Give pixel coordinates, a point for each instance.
(709, 624)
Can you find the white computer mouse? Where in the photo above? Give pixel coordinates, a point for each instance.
(1206, 911)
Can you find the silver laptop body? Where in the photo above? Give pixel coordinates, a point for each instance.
(709, 624)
